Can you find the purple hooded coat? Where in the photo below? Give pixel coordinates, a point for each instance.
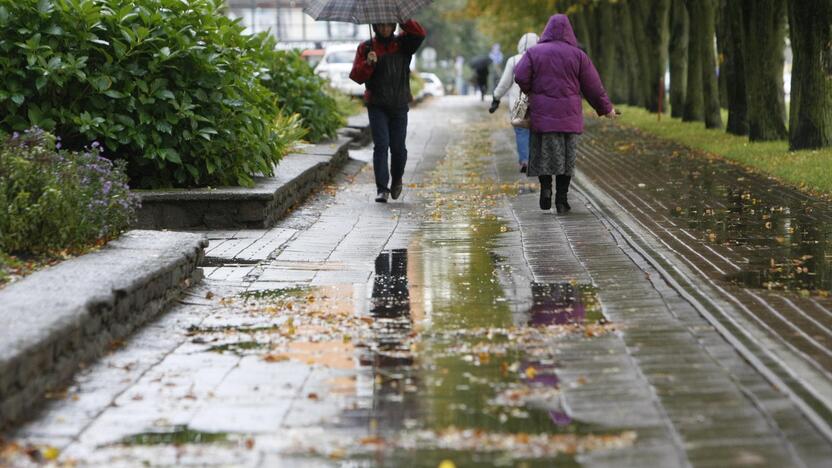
(556, 74)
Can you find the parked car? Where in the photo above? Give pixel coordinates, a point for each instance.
(336, 66)
(433, 85)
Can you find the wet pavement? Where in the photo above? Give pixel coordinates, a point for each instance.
(460, 326)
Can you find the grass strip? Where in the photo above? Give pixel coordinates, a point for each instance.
(808, 170)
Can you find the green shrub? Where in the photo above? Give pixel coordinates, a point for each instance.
(347, 105)
(55, 200)
(300, 91)
(170, 85)
(417, 84)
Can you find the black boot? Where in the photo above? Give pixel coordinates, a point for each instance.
(562, 186)
(545, 192)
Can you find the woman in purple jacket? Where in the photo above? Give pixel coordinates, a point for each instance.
(556, 75)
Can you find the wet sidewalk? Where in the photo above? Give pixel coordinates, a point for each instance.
(460, 324)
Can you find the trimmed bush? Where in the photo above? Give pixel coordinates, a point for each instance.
(299, 90)
(173, 86)
(54, 200)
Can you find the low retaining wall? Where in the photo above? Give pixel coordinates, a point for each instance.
(71, 313)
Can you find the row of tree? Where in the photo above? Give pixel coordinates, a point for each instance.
(720, 54)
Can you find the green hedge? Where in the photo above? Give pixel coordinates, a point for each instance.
(299, 90)
(173, 86)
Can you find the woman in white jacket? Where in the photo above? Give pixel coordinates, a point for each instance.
(507, 85)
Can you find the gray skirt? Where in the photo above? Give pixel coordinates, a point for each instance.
(552, 154)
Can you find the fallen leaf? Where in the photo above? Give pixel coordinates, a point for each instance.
(51, 453)
(275, 358)
(372, 441)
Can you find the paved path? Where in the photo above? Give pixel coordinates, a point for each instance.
(460, 323)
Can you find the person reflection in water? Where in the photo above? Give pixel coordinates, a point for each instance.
(556, 304)
(552, 304)
(391, 308)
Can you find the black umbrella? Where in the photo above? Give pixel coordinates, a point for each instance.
(480, 62)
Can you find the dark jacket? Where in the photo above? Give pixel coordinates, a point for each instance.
(556, 74)
(388, 81)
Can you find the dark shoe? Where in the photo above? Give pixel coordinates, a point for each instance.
(396, 190)
(382, 197)
(561, 204)
(524, 168)
(546, 198)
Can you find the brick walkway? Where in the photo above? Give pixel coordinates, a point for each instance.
(461, 323)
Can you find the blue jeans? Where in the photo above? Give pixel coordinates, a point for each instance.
(389, 128)
(523, 136)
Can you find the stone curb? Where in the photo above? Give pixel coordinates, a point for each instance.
(58, 318)
(259, 207)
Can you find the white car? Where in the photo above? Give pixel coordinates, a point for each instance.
(433, 85)
(336, 65)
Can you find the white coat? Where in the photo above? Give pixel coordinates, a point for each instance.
(507, 84)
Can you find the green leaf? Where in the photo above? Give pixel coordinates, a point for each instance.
(165, 94)
(172, 155)
(101, 83)
(18, 99)
(54, 63)
(114, 94)
(45, 6)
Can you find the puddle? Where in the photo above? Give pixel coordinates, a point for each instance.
(180, 435)
(456, 371)
(564, 304)
(231, 329)
(275, 294)
(240, 348)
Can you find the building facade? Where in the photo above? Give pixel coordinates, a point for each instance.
(286, 21)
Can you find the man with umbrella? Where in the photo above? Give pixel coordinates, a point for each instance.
(382, 64)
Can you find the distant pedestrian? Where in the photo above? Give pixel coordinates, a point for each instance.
(556, 74)
(481, 66)
(508, 86)
(383, 64)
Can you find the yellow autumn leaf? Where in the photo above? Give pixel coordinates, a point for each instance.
(51, 453)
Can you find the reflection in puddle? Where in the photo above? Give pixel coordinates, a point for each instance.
(564, 304)
(454, 367)
(391, 310)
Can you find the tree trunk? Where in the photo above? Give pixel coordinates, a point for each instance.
(722, 34)
(641, 43)
(694, 97)
(713, 116)
(627, 90)
(733, 68)
(657, 31)
(764, 41)
(606, 44)
(810, 122)
(582, 31)
(678, 49)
